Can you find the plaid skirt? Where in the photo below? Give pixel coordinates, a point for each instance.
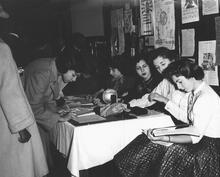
(143, 158)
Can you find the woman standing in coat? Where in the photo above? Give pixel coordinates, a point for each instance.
(21, 151)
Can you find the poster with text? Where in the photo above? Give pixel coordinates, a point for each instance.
(146, 17)
(210, 7)
(207, 60)
(190, 11)
(164, 31)
(207, 56)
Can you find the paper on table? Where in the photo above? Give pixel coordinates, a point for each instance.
(86, 114)
(79, 110)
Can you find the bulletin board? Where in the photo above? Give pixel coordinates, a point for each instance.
(204, 28)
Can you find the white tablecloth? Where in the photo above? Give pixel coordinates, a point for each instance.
(95, 144)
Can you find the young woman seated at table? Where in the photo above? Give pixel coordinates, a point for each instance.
(121, 79)
(147, 78)
(161, 59)
(188, 155)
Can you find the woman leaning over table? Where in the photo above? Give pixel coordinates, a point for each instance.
(188, 155)
(44, 79)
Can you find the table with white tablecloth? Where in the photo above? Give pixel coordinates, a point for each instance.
(95, 144)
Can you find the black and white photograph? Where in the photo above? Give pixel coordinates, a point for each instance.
(86, 90)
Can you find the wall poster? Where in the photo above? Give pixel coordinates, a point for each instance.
(190, 11)
(146, 17)
(164, 31)
(207, 60)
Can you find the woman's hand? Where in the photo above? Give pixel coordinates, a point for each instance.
(67, 117)
(119, 107)
(24, 136)
(157, 97)
(151, 136)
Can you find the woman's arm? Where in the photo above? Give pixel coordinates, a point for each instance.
(164, 88)
(176, 105)
(171, 139)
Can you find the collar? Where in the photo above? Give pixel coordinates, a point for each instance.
(199, 88)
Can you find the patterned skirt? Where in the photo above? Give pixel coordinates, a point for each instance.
(143, 158)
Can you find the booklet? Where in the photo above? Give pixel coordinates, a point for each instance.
(173, 130)
(87, 119)
(81, 110)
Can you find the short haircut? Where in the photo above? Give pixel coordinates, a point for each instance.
(186, 68)
(164, 53)
(66, 60)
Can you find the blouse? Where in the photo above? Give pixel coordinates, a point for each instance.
(164, 88)
(205, 113)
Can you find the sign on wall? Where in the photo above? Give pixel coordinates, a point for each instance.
(146, 17)
(164, 31)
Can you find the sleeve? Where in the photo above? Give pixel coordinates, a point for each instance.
(12, 97)
(201, 116)
(177, 106)
(43, 106)
(164, 88)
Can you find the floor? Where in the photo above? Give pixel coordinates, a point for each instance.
(60, 170)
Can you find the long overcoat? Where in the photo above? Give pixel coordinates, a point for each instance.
(17, 159)
(42, 88)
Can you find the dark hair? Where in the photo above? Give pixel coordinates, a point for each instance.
(122, 62)
(140, 57)
(147, 59)
(186, 68)
(66, 60)
(164, 53)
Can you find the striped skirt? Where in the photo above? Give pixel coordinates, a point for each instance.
(143, 158)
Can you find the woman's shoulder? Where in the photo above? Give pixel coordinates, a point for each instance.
(208, 95)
